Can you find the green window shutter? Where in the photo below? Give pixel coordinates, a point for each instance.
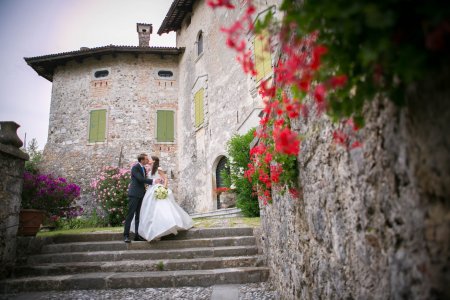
(170, 126)
(266, 53)
(200, 106)
(101, 134)
(160, 124)
(263, 60)
(93, 127)
(97, 126)
(199, 114)
(165, 127)
(259, 63)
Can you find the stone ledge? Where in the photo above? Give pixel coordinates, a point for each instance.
(13, 151)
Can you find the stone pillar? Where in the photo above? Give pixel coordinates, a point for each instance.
(12, 162)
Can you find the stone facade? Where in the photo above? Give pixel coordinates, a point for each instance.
(372, 223)
(231, 102)
(12, 161)
(131, 94)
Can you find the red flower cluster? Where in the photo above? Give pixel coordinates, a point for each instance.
(236, 35)
(347, 136)
(297, 70)
(222, 189)
(220, 3)
(286, 141)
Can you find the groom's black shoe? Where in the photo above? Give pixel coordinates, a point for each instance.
(139, 238)
(127, 240)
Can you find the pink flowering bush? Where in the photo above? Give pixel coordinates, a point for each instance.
(111, 189)
(54, 195)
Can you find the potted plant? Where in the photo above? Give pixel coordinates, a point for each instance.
(44, 195)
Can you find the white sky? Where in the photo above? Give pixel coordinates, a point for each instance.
(31, 28)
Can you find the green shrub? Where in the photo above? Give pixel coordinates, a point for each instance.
(92, 221)
(238, 148)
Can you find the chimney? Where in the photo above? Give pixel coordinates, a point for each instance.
(144, 31)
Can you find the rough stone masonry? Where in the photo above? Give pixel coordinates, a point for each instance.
(373, 222)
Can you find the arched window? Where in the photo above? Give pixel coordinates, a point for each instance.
(220, 182)
(222, 165)
(200, 43)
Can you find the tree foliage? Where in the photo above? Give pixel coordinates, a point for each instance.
(238, 148)
(32, 165)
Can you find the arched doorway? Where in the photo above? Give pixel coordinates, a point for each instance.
(220, 181)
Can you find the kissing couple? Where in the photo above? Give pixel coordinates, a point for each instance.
(153, 213)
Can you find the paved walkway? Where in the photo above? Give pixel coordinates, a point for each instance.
(252, 291)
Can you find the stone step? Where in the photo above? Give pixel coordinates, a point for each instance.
(156, 254)
(111, 280)
(139, 265)
(163, 244)
(194, 233)
(220, 213)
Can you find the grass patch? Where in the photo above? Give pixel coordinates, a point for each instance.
(79, 231)
(198, 223)
(227, 222)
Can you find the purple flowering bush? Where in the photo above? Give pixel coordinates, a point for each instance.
(54, 195)
(111, 191)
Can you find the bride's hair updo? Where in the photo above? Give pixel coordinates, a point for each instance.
(155, 164)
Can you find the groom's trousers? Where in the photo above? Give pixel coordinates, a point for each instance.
(134, 209)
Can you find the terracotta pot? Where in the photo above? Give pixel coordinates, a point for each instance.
(30, 221)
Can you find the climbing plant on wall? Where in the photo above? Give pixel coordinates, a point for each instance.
(340, 54)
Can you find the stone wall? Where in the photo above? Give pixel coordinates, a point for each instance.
(373, 222)
(131, 94)
(12, 161)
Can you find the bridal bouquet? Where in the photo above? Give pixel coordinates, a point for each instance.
(161, 193)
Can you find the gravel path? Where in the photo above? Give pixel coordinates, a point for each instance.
(246, 292)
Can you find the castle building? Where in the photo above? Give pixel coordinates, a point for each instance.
(180, 103)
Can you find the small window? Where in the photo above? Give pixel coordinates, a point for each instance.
(101, 74)
(165, 73)
(165, 126)
(200, 43)
(198, 108)
(97, 126)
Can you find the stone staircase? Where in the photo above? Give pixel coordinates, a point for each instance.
(219, 213)
(198, 257)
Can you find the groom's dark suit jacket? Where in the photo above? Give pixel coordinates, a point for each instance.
(138, 180)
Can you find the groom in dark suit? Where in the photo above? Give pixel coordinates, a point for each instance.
(136, 192)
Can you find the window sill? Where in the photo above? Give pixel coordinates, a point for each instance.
(165, 143)
(95, 143)
(200, 56)
(201, 126)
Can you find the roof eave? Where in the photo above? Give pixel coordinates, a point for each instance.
(46, 64)
(175, 15)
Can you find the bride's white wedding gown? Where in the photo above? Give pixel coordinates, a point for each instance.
(161, 217)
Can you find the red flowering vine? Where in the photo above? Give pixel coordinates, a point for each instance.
(273, 160)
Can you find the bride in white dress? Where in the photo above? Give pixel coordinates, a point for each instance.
(160, 217)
